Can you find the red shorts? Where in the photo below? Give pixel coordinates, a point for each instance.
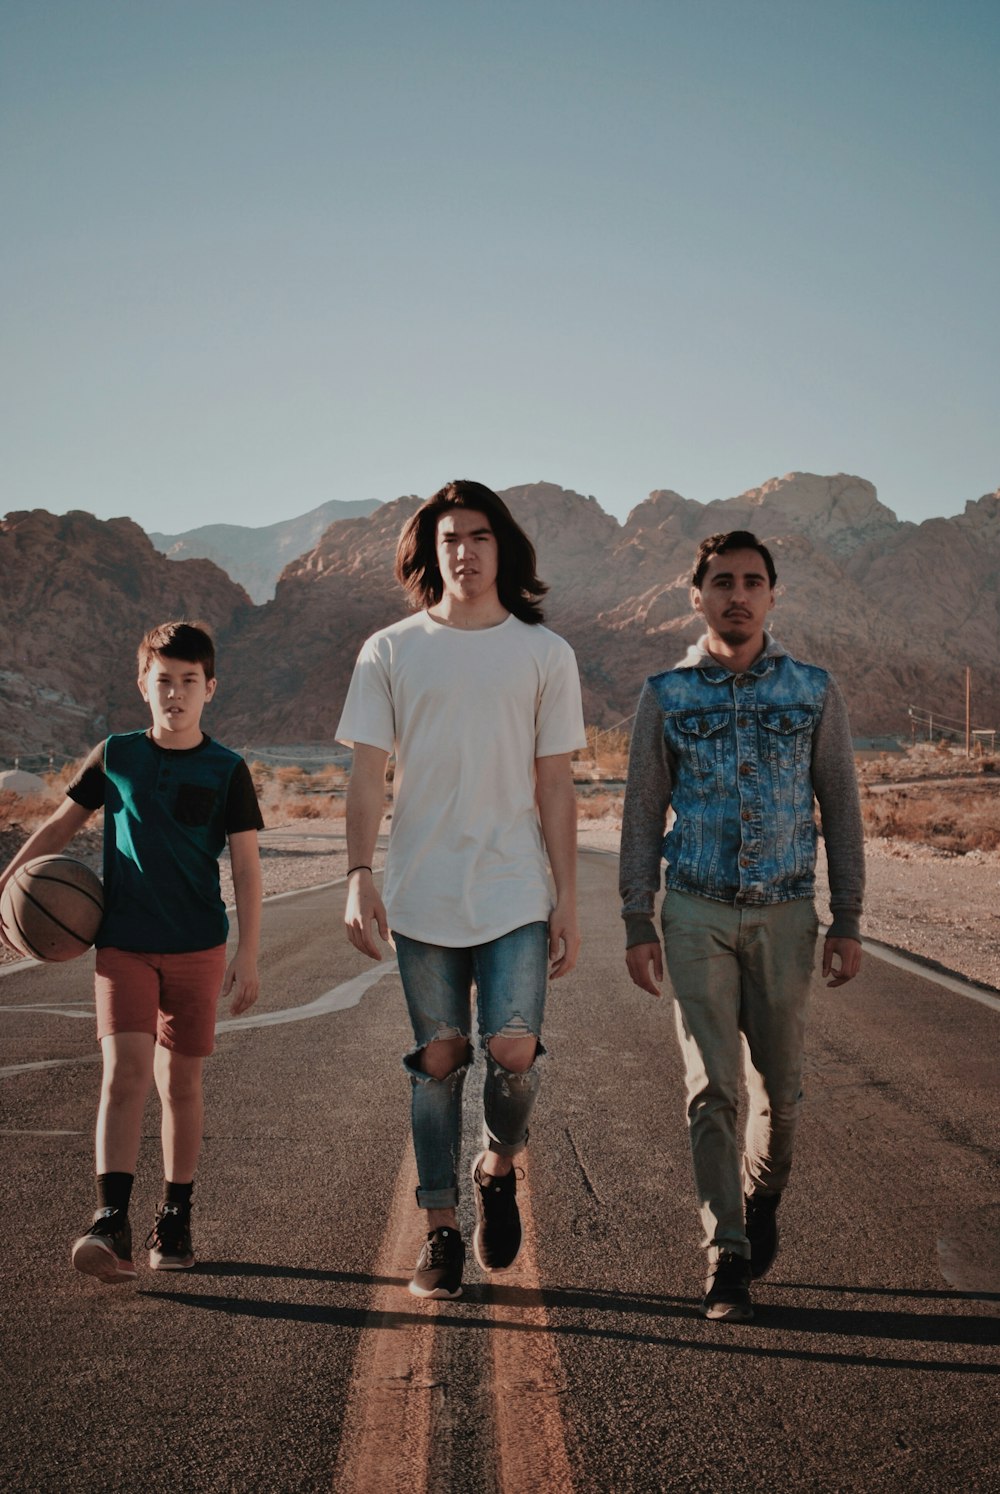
(171, 996)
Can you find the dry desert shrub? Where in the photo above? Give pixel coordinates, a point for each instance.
(25, 812)
(317, 807)
(956, 819)
(598, 806)
(607, 750)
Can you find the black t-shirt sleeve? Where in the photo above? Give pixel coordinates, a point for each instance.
(87, 787)
(242, 809)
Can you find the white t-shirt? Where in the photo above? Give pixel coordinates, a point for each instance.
(466, 712)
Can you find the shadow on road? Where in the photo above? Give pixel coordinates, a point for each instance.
(629, 1310)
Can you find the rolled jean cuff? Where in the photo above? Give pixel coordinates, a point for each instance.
(437, 1198)
(504, 1148)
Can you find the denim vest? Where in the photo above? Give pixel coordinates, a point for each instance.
(740, 747)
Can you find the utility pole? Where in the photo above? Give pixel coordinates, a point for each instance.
(968, 711)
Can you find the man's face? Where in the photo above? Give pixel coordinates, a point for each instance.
(177, 692)
(467, 554)
(735, 596)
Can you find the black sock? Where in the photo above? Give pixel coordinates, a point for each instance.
(114, 1189)
(178, 1193)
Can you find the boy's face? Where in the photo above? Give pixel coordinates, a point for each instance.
(177, 692)
(467, 554)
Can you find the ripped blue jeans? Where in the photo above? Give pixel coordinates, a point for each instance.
(510, 976)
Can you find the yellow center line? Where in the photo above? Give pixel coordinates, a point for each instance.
(386, 1438)
(385, 1442)
(527, 1380)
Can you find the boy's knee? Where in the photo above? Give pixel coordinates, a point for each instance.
(515, 1054)
(443, 1056)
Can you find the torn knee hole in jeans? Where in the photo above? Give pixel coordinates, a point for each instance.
(411, 1059)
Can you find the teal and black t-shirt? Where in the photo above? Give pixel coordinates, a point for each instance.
(167, 814)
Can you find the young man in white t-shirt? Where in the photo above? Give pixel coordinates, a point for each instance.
(481, 706)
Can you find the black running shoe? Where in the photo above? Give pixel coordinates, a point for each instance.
(438, 1272)
(762, 1231)
(105, 1251)
(497, 1240)
(727, 1290)
(169, 1241)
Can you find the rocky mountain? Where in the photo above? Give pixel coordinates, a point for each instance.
(897, 610)
(256, 557)
(76, 595)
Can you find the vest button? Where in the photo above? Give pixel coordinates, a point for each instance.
(744, 861)
(746, 814)
(743, 721)
(745, 768)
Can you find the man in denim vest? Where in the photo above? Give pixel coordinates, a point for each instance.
(731, 748)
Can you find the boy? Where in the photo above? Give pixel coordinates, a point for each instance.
(171, 797)
(481, 705)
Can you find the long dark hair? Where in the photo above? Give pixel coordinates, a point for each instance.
(518, 586)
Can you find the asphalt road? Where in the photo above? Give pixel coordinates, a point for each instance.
(872, 1363)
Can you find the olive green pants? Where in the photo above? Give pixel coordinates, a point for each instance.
(741, 978)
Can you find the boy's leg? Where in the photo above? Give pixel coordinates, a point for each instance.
(125, 1085)
(189, 990)
(511, 978)
(105, 1250)
(179, 1085)
(437, 983)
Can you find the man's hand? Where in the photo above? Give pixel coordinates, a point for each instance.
(364, 908)
(847, 953)
(645, 966)
(564, 941)
(242, 980)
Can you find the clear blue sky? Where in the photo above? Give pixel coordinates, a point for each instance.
(256, 256)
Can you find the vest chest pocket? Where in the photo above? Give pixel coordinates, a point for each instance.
(194, 804)
(786, 733)
(702, 736)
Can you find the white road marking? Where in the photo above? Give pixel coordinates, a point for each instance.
(11, 1131)
(10, 1069)
(936, 977)
(338, 1000)
(17, 966)
(51, 1009)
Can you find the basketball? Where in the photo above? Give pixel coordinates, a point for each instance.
(52, 908)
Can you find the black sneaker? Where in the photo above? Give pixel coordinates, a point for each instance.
(169, 1241)
(105, 1251)
(727, 1290)
(497, 1240)
(762, 1231)
(438, 1272)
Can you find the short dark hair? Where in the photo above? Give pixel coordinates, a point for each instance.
(721, 544)
(190, 641)
(518, 586)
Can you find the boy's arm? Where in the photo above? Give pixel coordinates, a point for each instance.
(556, 799)
(51, 837)
(241, 976)
(365, 805)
